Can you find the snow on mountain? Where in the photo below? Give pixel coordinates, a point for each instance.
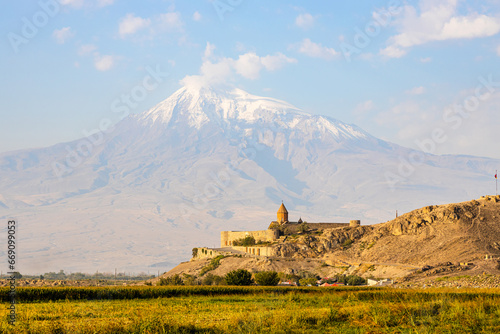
(204, 160)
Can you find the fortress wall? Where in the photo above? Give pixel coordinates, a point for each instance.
(323, 226)
(228, 237)
(208, 253)
(257, 251)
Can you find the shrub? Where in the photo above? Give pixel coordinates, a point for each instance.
(288, 277)
(172, 280)
(308, 281)
(351, 279)
(245, 242)
(211, 279)
(303, 228)
(189, 279)
(355, 280)
(239, 277)
(267, 278)
(214, 263)
(347, 243)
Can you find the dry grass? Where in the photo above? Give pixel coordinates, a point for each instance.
(271, 311)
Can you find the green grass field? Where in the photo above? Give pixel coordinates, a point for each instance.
(252, 310)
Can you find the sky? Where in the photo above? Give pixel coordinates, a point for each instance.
(422, 74)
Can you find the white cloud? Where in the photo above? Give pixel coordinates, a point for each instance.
(223, 70)
(62, 35)
(416, 91)
(437, 21)
(171, 21)
(196, 16)
(104, 3)
(273, 63)
(249, 64)
(131, 24)
(209, 50)
(304, 21)
(393, 52)
(315, 50)
(73, 3)
(498, 50)
(364, 107)
(86, 49)
(105, 62)
(426, 60)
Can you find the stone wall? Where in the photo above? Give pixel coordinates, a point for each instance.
(228, 237)
(208, 253)
(257, 251)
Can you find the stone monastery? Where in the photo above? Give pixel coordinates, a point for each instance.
(265, 240)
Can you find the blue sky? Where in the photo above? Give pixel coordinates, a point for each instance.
(411, 72)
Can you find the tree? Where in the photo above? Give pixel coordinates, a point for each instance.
(245, 242)
(308, 281)
(211, 279)
(189, 279)
(172, 280)
(303, 228)
(195, 252)
(268, 278)
(239, 277)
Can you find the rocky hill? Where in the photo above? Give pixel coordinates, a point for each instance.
(453, 239)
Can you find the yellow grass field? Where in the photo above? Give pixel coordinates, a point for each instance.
(257, 310)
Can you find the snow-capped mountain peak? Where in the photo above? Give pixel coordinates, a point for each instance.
(198, 106)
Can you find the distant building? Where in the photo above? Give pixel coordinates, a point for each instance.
(273, 231)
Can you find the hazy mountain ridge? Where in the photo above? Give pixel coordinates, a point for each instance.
(203, 161)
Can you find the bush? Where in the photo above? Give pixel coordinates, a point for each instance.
(308, 281)
(303, 228)
(347, 243)
(245, 242)
(214, 263)
(289, 277)
(211, 279)
(267, 278)
(355, 280)
(189, 279)
(172, 280)
(239, 277)
(351, 279)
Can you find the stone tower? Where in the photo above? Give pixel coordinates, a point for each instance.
(282, 214)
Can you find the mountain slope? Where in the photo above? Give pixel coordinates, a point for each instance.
(159, 182)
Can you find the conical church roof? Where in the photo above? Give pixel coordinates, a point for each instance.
(282, 209)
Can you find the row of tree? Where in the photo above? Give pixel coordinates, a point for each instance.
(265, 278)
(235, 277)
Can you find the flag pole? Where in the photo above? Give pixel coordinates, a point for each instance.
(496, 183)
